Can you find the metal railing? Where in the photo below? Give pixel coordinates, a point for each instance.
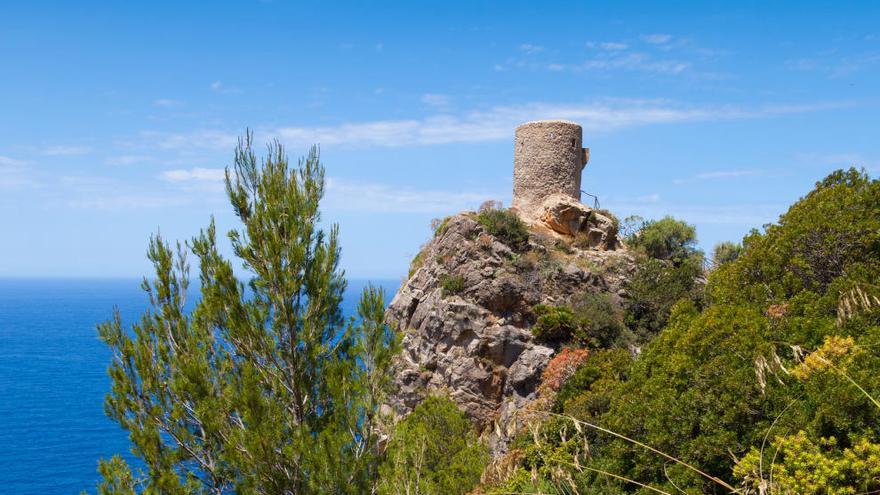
(595, 199)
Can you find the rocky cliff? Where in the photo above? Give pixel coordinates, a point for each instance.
(467, 308)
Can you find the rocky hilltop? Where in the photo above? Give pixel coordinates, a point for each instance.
(468, 307)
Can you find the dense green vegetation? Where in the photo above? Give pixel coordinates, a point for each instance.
(594, 320)
(263, 388)
(433, 451)
(767, 383)
(504, 225)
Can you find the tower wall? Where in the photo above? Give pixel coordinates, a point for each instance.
(549, 158)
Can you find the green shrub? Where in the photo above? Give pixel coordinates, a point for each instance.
(554, 323)
(725, 252)
(433, 451)
(505, 226)
(450, 284)
(586, 394)
(665, 239)
(600, 321)
(654, 287)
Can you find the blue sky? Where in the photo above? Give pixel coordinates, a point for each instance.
(116, 118)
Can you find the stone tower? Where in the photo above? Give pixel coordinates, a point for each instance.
(548, 159)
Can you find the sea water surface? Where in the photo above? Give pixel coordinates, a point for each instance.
(53, 379)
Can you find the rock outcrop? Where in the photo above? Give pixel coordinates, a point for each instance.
(466, 310)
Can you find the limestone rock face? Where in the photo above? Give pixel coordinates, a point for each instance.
(471, 339)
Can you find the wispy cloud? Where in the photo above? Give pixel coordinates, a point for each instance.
(193, 140)
(14, 173)
(66, 150)
(835, 67)
(612, 46)
(223, 88)
(11, 162)
(492, 124)
(496, 123)
(168, 103)
(437, 100)
(628, 61)
(123, 160)
(656, 39)
(117, 201)
(742, 214)
(530, 49)
(719, 175)
(198, 174)
(850, 159)
(105, 193)
(349, 195)
(727, 174)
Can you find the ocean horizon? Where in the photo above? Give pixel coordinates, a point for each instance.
(53, 377)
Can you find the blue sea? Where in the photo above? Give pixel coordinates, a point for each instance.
(53, 379)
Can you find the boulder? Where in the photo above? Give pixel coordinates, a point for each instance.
(567, 216)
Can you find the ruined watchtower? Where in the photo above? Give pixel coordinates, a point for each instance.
(548, 159)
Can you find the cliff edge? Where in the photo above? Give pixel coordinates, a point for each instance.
(469, 305)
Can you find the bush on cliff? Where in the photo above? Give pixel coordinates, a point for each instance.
(504, 225)
(554, 323)
(665, 239)
(669, 268)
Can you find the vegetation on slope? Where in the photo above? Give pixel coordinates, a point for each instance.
(769, 387)
(433, 451)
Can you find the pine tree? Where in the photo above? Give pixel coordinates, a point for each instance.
(263, 387)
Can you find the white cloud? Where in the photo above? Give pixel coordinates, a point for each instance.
(167, 102)
(498, 122)
(727, 174)
(221, 87)
(128, 201)
(656, 39)
(192, 175)
(840, 160)
(612, 46)
(617, 60)
(492, 124)
(436, 99)
(350, 195)
(198, 139)
(106, 193)
(66, 150)
(14, 173)
(649, 198)
(530, 49)
(5, 161)
(123, 160)
(743, 215)
(834, 66)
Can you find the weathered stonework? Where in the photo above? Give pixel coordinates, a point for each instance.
(548, 159)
